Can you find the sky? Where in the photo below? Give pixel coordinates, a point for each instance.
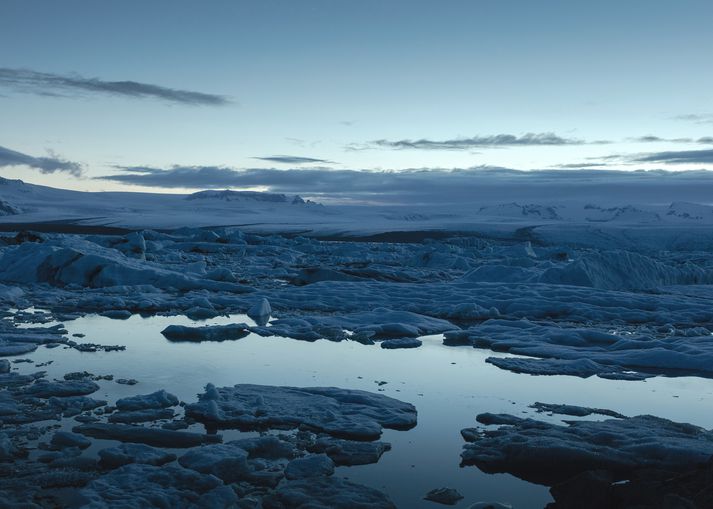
(174, 95)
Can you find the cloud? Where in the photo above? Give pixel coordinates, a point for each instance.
(432, 186)
(496, 140)
(656, 139)
(678, 157)
(576, 166)
(44, 164)
(706, 118)
(218, 177)
(42, 83)
(293, 160)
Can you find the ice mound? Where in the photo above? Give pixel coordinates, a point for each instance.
(445, 496)
(88, 265)
(586, 351)
(311, 275)
(399, 343)
(45, 389)
(137, 486)
(549, 453)
(19, 341)
(338, 412)
(123, 454)
(136, 416)
(157, 437)
(158, 399)
(582, 368)
(349, 452)
(575, 410)
(501, 274)
(313, 465)
(206, 333)
(326, 493)
(259, 461)
(607, 270)
(625, 270)
(260, 311)
(380, 323)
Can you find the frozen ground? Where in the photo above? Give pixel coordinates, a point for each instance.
(484, 311)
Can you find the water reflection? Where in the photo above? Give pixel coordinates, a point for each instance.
(448, 385)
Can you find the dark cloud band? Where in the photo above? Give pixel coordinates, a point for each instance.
(705, 140)
(42, 83)
(44, 164)
(678, 157)
(293, 160)
(497, 140)
(706, 118)
(425, 186)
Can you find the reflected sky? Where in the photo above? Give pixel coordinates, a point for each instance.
(448, 385)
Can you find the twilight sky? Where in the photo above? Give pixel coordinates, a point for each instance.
(174, 95)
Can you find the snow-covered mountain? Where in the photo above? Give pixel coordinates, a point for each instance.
(22, 202)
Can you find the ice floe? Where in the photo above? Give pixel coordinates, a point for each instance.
(338, 412)
(445, 496)
(549, 453)
(155, 400)
(123, 454)
(314, 465)
(156, 437)
(136, 486)
(586, 351)
(326, 493)
(350, 452)
(206, 333)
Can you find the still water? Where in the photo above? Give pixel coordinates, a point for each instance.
(448, 385)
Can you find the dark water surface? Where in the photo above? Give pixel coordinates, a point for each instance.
(448, 385)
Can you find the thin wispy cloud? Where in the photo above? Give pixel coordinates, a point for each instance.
(657, 139)
(50, 84)
(207, 177)
(49, 164)
(220, 177)
(293, 160)
(489, 141)
(705, 118)
(575, 166)
(678, 157)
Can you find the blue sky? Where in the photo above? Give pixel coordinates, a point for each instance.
(368, 85)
